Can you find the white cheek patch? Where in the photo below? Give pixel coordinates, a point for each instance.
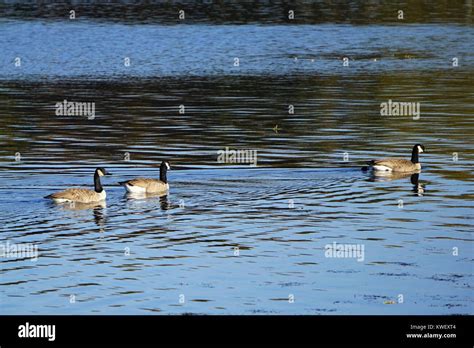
(167, 166)
(420, 150)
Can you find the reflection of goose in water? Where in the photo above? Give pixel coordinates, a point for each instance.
(388, 176)
(138, 199)
(96, 207)
(165, 203)
(83, 206)
(418, 188)
(143, 195)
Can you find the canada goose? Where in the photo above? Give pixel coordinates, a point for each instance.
(399, 165)
(145, 185)
(80, 195)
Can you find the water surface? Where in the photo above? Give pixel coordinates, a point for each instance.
(141, 256)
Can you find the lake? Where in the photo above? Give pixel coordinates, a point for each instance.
(237, 238)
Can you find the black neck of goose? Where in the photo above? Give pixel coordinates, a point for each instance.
(414, 155)
(163, 174)
(97, 185)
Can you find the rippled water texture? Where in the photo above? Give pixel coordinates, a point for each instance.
(236, 238)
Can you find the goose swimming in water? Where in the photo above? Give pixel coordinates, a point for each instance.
(398, 165)
(81, 195)
(146, 185)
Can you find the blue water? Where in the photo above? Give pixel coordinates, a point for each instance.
(177, 254)
(98, 50)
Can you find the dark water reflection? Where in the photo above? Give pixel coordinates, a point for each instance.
(140, 254)
(245, 12)
(332, 116)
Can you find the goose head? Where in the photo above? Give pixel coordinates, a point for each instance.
(102, 172)
(165, 165)
(419, 148)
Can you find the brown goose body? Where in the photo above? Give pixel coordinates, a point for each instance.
(399, 165)
(396, 165)
(78, 195)
(147, 185)
(81, 195)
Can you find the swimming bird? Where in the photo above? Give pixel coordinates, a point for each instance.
(145, 185)
(398, 165)
(81, 195)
